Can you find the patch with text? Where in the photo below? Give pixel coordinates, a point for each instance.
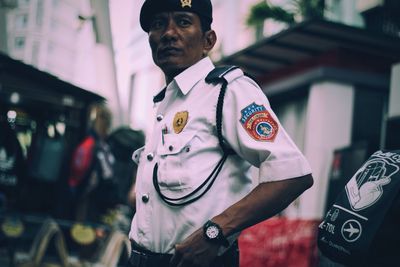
(259, 123)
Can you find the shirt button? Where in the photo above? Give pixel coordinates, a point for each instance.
(160, 117)
(187, 149)
(145, 198)
(171, 148)
(150, 156)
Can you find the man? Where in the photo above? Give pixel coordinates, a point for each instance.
(192, 199)
(91, 178)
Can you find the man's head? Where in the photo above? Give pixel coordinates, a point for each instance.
(100, 119)
(179, 32)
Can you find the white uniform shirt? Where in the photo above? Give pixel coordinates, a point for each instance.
(185, 159)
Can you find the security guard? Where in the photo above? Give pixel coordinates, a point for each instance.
(194, 191)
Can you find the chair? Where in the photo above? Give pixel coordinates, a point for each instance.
(49, 231)
(109, 254)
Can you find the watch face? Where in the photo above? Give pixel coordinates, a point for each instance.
(212, 232)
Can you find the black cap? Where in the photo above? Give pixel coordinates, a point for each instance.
(202, 8)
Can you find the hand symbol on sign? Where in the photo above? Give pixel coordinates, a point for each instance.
(370, 192)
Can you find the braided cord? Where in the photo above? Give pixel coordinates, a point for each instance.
(189, 198)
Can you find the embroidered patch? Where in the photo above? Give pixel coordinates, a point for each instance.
(180, 121)
(258, 123)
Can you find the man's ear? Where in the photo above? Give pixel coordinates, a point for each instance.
(210, 38)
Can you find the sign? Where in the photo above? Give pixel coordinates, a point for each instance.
(350, 225)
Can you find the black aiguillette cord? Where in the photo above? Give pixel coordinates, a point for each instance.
(181, 201)
(185, 199)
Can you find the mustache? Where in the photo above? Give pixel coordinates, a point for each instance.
(168, 48)
(168, 51)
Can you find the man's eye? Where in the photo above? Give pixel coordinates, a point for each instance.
(184, 22)
(156, 24)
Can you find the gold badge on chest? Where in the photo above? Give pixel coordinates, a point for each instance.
(180, 121)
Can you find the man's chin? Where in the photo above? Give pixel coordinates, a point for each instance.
(171, 66)
(169, 61)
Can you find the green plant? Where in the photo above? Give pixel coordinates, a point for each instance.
(259, 12)
(310, 9)
(305, 9)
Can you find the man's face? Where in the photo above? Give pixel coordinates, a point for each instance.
(177, 41)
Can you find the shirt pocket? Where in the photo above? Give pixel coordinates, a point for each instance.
(173, 166)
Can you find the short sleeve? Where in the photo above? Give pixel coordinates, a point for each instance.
(253, 130)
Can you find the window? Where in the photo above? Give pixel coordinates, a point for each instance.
(39, 13)
(131, 95)
(35, 53)
(21, 21)
(54, 24)
(23, 2)
(19, 42)
(50, 48)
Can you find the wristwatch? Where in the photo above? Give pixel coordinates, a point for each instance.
(213, 233)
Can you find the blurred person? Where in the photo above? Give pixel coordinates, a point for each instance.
(91, 178)
(123, 142)
(12, 167)
(194, 192)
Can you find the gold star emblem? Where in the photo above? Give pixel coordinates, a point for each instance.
(186, 3)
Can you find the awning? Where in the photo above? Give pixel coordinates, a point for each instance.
(310, 39)
(15, 75)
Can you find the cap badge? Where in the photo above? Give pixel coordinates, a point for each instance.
(180, 121)
(186, 3)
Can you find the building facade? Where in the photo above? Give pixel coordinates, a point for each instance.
(69, 39)
(48, 35)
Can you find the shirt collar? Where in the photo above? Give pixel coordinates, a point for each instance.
(187, 79)
(159, 96)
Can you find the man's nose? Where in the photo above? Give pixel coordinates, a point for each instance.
(170, 29)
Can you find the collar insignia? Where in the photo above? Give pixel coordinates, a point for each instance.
(186, 3)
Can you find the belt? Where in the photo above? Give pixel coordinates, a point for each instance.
(141, 257)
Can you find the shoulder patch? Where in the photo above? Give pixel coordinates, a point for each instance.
(258, 123)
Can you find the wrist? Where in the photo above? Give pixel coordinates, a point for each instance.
(226, 223)
(213, 233)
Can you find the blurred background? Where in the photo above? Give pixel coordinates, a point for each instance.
(330, 68)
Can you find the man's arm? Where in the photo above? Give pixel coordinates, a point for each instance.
(266, 200)
(131, 198)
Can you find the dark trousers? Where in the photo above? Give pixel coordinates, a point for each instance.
(143, 258)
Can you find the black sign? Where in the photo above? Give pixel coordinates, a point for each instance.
(350, 225)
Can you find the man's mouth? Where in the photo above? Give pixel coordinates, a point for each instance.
(168, 51)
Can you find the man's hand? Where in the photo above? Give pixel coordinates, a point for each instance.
(132, 197)
(194, 251)
(266, 200)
